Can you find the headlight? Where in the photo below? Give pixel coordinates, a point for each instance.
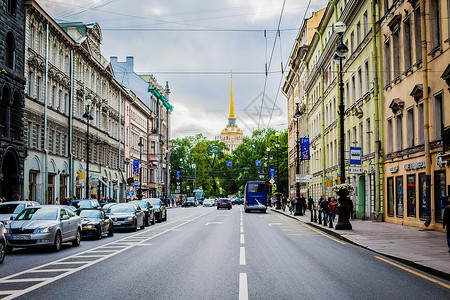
(90, 226)
(5, 231)
(130, 219)
(44, 230)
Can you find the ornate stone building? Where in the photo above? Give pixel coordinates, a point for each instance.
(12, 83)
(67, 80)
(232, 134)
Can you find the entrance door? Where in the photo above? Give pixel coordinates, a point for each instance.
(361, 197)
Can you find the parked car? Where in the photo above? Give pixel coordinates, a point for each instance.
(86, 203)
(160, 209)
(209, 203)
(95, 222)
(126, 216)
(189, 201)
(43, 226)
(149, 213)
(12, 208)
(2, 243)
(224, 203)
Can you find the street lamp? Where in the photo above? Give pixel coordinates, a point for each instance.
(344, 207)
(195, 176)
(88, 117)
(140, 144)
(298, 204)
(181, 176)
(277, 145)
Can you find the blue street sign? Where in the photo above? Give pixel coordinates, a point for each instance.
(130, 193)
(136, 183)
(258, 163)
(178, 175)
(272, 173)
(229, 163)
(136, 166)
(355, 155)
(304, 148)
(126, 163)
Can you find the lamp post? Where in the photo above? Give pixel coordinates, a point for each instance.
(181, 178)
(344, 207)
(277, 145)
(298, 204)
(195, 176)
(88, 117)
(140, 168)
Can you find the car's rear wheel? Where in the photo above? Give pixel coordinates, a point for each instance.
(135, 228)
(2, 252)
(147, 221)
(153, 220)
(165, 217)
(99, 233)
(76, 242)
(111, 230)
(57, 243)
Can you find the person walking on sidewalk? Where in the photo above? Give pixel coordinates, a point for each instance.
(332, 206)
(447, 223)
(291, 206)
(284, 203)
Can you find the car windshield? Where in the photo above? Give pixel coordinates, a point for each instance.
(14, 208)
(38, 213)
(90, 214)
(122, 209)
(155, 203)
(85, 204)
(142, 204)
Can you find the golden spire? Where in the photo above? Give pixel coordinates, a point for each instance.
(232, 116)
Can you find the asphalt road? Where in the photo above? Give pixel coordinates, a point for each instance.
(204, 253)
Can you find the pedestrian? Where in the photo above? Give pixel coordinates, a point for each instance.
(333, 207)
(303, 203)
(291, 206)
(446, 222)
(325, 209)
(310, 203)
(57, 201)
(2, 199)
(284, 203)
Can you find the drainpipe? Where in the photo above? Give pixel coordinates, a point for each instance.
(426, 107)
(120, 195)
(71, 162)
(335, 9)
(45, 200)
(378, 111)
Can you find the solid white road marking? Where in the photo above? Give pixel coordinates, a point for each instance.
(242, 257)
(242, 239)
(274, 224)
(213, 223)
(243, 288)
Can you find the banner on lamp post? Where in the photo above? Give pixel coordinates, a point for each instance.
(304, 148)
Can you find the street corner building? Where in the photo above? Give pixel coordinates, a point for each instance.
(12, 84)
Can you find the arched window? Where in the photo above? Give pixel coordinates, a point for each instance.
(10, 50)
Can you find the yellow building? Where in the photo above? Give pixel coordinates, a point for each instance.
(232, 134)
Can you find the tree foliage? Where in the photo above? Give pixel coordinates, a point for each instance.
(205, 160)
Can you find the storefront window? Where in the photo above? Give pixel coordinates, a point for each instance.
(422, 196)
(411, 194)
(439, 190)
(62, 188)
(390, 196)
(399, 195)
(51, 189)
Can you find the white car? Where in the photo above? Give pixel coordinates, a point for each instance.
(209, 203)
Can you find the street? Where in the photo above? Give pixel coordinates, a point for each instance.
(205, 253)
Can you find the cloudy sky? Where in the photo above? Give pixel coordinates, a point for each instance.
(194, 44)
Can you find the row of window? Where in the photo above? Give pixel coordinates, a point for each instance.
(413, 127)
(57, 142)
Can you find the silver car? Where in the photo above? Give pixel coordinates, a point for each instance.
(2, 243)
(43, 226)
(12, 208)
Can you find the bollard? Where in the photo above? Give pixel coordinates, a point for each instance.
(331, 221)
(320, 217)
(311, 214)
(315, 215)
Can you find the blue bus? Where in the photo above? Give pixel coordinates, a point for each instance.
(199, 195)
(255, 196)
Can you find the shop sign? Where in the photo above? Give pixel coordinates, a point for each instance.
(393, 169)
(440, 160)
(303, 178)
(415, 165)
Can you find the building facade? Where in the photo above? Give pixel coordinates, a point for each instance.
(231, 135)
(12, 82)
(416, 52)
(69, 83)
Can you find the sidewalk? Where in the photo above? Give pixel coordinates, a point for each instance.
(425, 250)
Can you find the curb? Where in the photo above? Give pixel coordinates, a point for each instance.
(426, 269)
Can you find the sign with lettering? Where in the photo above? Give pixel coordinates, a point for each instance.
(304, 147)
(415, 165)
(393, 169)
(355, 155)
